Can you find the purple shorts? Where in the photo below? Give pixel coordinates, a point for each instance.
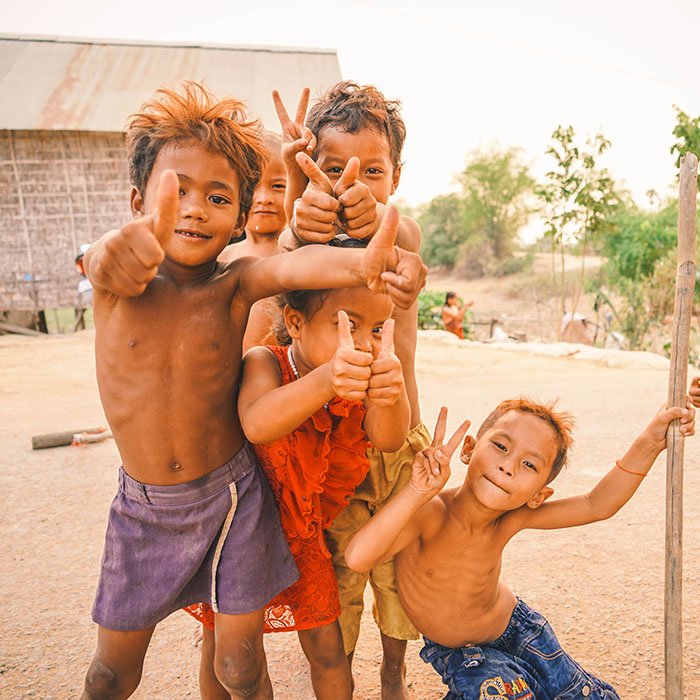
(216, 539)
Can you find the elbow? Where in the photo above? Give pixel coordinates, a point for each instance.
(353, 559)
(390, 445)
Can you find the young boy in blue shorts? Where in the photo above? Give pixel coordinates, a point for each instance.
(193, 519)
(479, 637)
(354, 136)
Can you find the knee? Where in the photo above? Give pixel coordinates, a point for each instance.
(325, 649)
(240, 671)
(105, 683)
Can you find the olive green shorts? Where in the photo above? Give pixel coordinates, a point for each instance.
(388, 473)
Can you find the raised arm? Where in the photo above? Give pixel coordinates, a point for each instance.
(270, 410)
(388, 414)
(122, 262)
(411, 512)
(619, 484)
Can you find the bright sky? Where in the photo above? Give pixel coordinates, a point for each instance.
(468, 73)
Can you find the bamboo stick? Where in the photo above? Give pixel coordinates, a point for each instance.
(677, 383)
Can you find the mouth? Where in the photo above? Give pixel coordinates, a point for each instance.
(498, 486)
(191, 234)
(264, 213)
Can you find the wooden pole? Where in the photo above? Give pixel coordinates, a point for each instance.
(677, 383)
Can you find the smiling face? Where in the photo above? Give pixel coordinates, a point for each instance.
(267, 213)
(315, 337)
(336, 147)
(208, 210)
(511, 462)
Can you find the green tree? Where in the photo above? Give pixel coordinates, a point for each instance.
(687, 133)
(442, 226)
(579, 201)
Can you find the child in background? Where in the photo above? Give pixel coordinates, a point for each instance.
(194, 518)
(266, 221)
(479, 637)
(355, 136)
(453, 314)
(310, 408)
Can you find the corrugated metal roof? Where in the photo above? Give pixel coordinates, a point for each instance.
(59, 83)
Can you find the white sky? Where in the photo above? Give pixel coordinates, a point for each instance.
(468, 73)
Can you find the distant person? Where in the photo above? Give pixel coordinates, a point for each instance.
(483, 640)
(266, 221)
(453, 314)
(84, 290)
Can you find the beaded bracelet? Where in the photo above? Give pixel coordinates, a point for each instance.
(617, 464)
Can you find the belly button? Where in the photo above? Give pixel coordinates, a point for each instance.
(132, 343)
(176, 466)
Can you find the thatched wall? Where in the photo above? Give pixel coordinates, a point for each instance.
(58, 189)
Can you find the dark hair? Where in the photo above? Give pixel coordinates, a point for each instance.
(350, 107)
(309, 301)
(561, 422)
(194, 114)
(449, 296)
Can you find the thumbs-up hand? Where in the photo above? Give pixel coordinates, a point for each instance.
(386, 382)
(358, 215)
(316, 213)
(349, 368)
(125, 260)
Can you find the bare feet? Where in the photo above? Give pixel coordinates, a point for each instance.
(394, 685)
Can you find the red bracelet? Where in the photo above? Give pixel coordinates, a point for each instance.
(617, 464)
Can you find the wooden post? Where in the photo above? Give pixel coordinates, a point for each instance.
(677, 383)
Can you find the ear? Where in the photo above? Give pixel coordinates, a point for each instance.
(467, 449)
(540, 497)
(136, 199)
(240, 224)
(395, 178)
(294, 320)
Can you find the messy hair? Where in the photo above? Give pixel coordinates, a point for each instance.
(308, 301)
(192, 113)
(560, 421)
(350, 107)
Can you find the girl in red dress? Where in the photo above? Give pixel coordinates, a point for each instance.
(310, 408)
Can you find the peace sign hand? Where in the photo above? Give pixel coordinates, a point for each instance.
(296, 138)
(386, 383)
(431, 466)
(125, 260)
(349, 369)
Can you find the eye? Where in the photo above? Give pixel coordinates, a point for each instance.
(279, 186)
(181, 192)
(374, 171)
(500, 446)
(530, 465)
(217, 199)
(334, 170)
(377, 330)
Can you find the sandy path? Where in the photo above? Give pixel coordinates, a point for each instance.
(601, 586)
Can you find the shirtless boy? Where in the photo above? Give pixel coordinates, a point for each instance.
(479, 637)
(355, 137)
(193, 519)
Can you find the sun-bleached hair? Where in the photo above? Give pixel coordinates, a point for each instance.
(561, 422)
(350, 107)
(192, 113)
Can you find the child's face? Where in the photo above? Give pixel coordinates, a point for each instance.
(267, 213)
(511, 462)
(336, 147)
(208, 211)
(316, 338)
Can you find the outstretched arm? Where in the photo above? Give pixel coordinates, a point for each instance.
(406, 516)
(381, 266)
(619, 484)
(122, 262)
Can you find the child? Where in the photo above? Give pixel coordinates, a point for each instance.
(169, 321)
(355, 136)
(453, 314)
(310, 408)
(479, 637)
(266, 221)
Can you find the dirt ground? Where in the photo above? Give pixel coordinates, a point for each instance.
(600, 586)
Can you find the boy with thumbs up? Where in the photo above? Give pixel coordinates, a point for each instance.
(193, 519)
(343, 163)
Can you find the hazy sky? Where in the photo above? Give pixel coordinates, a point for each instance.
(468, 73)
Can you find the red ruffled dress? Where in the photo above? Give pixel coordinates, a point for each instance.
(313, 471)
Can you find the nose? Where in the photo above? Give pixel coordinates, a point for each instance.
(363, 341)
(262, 195)
(506, 467)
(192, 207)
